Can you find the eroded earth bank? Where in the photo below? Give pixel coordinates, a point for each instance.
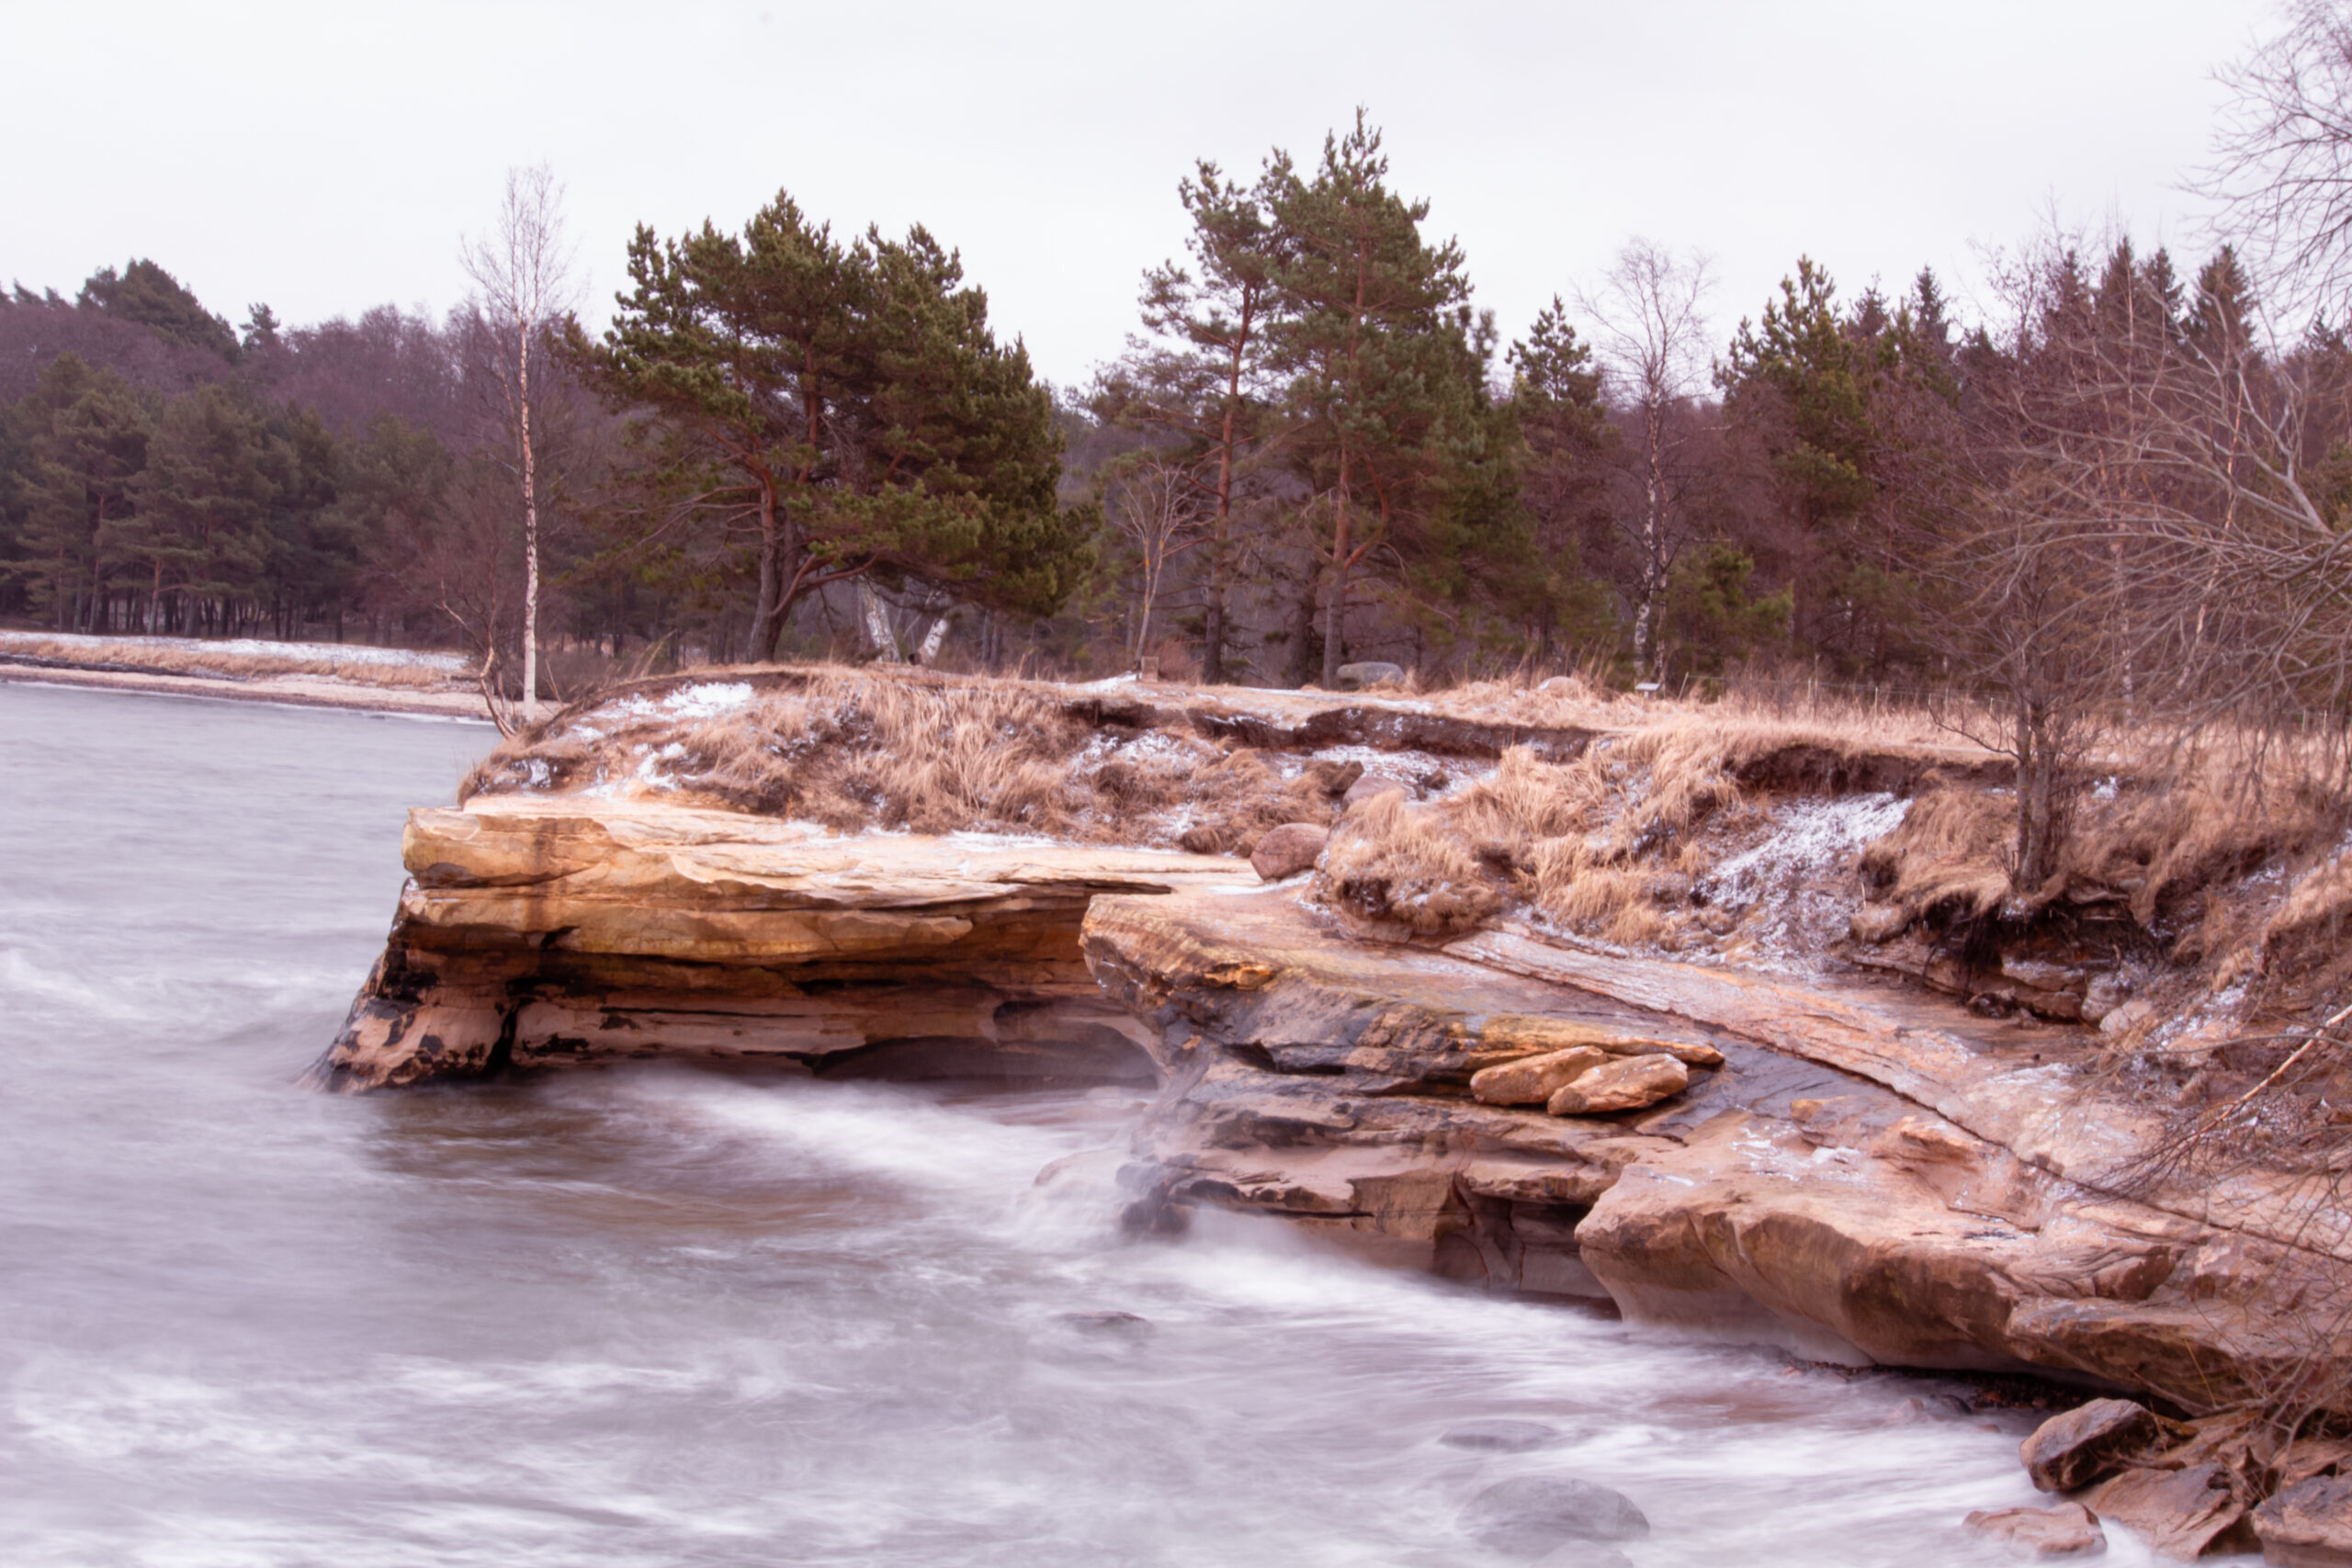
(1729, 1025)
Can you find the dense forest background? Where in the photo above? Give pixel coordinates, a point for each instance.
(2121, 481)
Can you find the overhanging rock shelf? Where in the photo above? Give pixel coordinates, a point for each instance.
(1855, 1182)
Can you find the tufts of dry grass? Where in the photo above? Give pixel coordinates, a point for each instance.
(1391, 866)
(1950, 858)
(913, 750)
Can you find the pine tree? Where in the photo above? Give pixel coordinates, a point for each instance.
(146, 294)
(843, 410)
(1555, 401)
(86, 435)
(1373, 336)
(1198, 373)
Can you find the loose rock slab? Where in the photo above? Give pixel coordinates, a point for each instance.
(2067, 1530)
(1369, 672)
(1533, 1081)
(2308, 1525)
(1288, 850)
(2087, 1443)
(2184, 1513)
(1621, 1083)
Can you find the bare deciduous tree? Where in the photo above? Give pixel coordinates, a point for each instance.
(2282, 170)
(522, 271)
(1157, 507)
(1652, 333)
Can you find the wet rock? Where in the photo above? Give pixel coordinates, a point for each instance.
(2095, 1440)
(1528, 1515)
(1288, 850)
(2307, 1524)
(1369, 672)
(1500, 1436)
(1533, 1081)
(2067, 1530)
(1623, 1083)
(1369, 786)
(2126, 1017)
(2184, 1513)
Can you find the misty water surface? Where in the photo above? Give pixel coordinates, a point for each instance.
(661, 1316)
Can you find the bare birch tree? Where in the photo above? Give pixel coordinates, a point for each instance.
(1651, 330)
(522, 274)
(1157, 507)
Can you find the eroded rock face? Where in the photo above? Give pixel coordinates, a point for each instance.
(544, 932)
(1857, 1185)
(1529, 1515)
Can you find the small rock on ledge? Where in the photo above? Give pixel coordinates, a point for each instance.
(1621, 1083)
(1288, 850)
(1533, 1081)
(1370, 673)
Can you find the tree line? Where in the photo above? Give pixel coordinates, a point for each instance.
(2121, 488)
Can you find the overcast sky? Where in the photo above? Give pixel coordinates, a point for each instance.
(325, 158)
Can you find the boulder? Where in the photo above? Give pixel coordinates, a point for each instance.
(2067, 1530)
(1530, 1515)
(2085, 1443)
(2308, 1525)
(1288, 850)
(1501, 1436)
(2184, 1513)
(1370, 673)
(1373, 785)
(1533, 1081)
(1621, 1083)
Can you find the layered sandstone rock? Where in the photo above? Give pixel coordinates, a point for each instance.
(1862, 1180)
(542, 930)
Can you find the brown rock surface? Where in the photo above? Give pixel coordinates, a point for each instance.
(2082, 1445)
(1288, 850)
(2067, 1530)
(1621, 1083)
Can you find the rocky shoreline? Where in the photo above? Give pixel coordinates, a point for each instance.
(1863, 1173)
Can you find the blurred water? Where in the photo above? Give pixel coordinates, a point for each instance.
(658, 1316)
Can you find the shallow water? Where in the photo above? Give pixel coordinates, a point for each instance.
(659, 1317)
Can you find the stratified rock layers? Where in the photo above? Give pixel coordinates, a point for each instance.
(1855, 1183)
(1854, 1186)
(536, 932)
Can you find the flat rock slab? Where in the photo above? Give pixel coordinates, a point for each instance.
(2307, 1524)
(2067, 1530)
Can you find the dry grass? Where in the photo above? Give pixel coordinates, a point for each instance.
(176, 656)
(910, 750)
(1393, 866)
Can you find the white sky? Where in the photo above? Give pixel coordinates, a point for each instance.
(328, 157)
